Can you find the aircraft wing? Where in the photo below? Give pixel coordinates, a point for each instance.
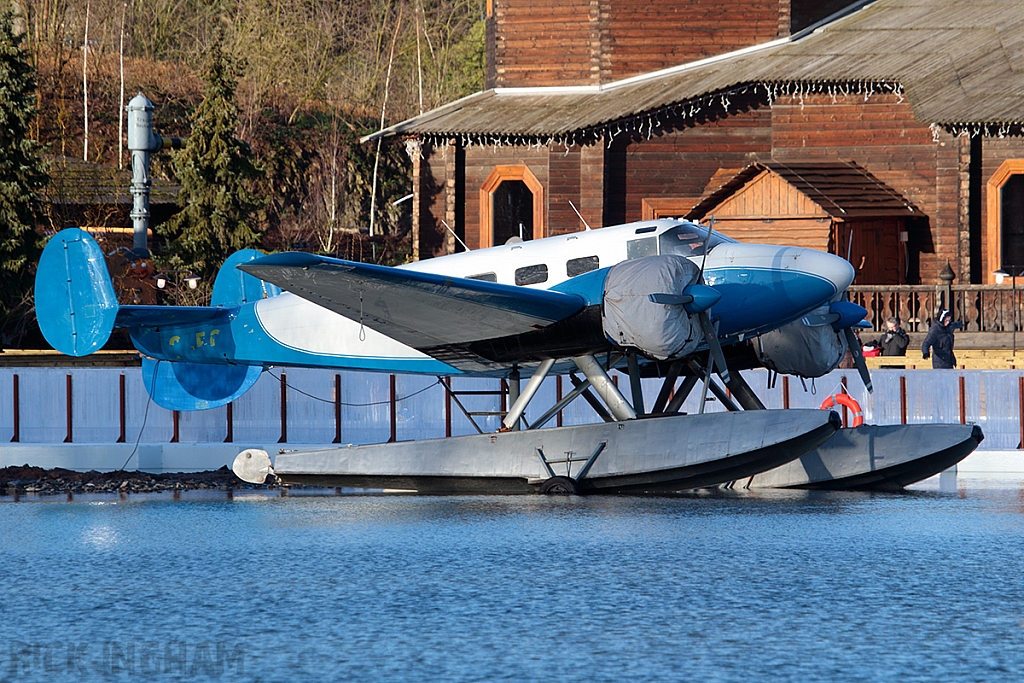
(421, 310)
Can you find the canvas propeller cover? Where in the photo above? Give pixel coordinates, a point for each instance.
(801, 349)
(630, 318)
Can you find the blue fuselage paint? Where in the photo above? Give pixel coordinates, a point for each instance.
(754, 300)
(241, 339)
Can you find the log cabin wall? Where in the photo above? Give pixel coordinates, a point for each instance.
(882, 136)
(544, 43)
(432, 201)
(874, 249)
(480, 162)
(589, 42)
(996, 154)
(638, 36)
(439, 199)
(680, 164)
(564, 187)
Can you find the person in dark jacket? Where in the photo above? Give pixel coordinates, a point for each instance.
(895, 340)
(939, 341)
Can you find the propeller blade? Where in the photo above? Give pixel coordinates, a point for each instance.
(858, 358)
(707, 242)
(711, 337)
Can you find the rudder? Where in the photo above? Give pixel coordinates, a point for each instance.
(75, 301)
(176, 385)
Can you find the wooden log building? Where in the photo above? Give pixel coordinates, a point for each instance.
(886, 130)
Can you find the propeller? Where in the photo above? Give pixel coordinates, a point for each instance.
(858, 357)
(709, 329)
(843, 316)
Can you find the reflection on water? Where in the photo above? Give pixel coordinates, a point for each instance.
(782, 585)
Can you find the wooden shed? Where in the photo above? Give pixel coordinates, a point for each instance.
(832, 206)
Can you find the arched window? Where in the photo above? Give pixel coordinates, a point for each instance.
(1004, 229)
(511, 205)
(511, 211)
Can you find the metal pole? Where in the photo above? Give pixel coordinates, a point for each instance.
(513, 393)
(605, 388)
(142, 142)
(518, 407)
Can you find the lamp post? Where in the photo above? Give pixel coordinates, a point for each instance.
(1001, 276)
(162, 280)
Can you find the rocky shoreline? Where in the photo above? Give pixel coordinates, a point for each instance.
(26, 479)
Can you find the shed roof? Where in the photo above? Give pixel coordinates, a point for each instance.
(78, 182)
(956, 63)
(842, 189)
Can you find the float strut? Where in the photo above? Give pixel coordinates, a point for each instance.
(516, 410)
(588, 395)
(605, 388)
(636, 388)
(744, 395)
(685, 388)
(666, 387)
(566, 400)
(722, 396)
(513, 396)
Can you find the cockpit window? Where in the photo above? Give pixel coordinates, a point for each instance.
(645, 246)
(687, 239)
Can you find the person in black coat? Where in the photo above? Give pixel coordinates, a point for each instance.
(895, 340)
(939, 341)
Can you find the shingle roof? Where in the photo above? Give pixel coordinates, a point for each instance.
(956, 62)
(73, 181)
(844, 190)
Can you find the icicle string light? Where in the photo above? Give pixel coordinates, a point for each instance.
(725, 102)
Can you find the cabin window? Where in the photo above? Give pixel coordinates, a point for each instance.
(578, 266)
(532, 275)
(485, 277)
(688, 240)
(1011, 221)
(646, 246)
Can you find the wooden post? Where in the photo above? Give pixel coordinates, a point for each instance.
(67, 407)
(785, 392)
(176, 422)
(231, 423)
(394, 412)
(963, 401)
(447, 411)
(284, 409)
(122, 405)
(337, 408)
(17, 411)
(1020, 410)
(903, 399)
(846, 416)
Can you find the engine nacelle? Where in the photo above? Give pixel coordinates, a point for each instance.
(646, 302)
(802, 348)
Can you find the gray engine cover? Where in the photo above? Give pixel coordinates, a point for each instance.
(632, 319)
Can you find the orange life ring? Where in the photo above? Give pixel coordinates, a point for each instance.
(848, 401)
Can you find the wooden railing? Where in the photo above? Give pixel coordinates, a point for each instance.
(981, 308)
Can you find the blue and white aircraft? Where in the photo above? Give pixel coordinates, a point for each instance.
(661, 294)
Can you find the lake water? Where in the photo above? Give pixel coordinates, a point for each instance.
(793, 586)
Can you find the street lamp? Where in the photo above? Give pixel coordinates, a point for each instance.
(162, 279)
(1001, 276)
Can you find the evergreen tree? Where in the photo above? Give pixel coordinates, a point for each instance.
(22, 175)
(220, 214)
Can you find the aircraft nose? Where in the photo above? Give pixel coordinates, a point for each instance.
(830, 267)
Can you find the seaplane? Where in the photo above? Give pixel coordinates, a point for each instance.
(666, 298)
